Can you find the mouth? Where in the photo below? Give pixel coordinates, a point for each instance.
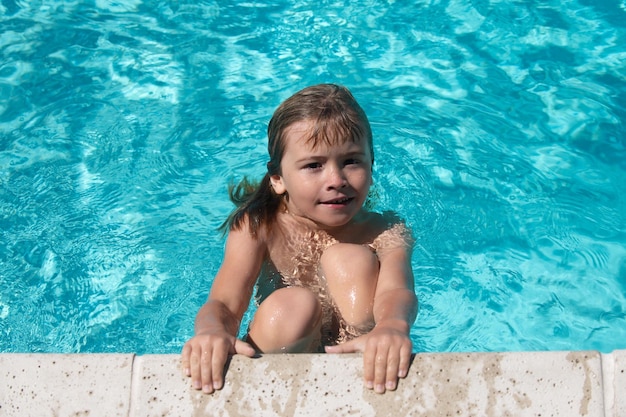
(338, 201)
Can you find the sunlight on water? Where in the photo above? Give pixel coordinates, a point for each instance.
(499, 136)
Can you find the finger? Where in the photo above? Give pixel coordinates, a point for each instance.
(218, 364)
(391, 373)
(243, 348)
(380, 368)
(353, 346)
(194, 369)
(206, 376)
(343, 348)
(337, 349)
(369, 359)
(405, 361)
(185, 359)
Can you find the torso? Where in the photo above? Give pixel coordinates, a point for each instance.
(294, 247)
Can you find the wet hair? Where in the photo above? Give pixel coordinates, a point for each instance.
(336, 117)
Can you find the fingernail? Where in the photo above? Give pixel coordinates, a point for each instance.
(217, 385)
(369, 384)
(187, 371)
(197, 384)
(391, 385)
(402, 373)
(380, 388)
(207, 389)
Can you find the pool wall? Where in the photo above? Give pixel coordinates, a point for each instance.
(574, 383)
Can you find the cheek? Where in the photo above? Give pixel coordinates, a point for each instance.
(299, 185)
(364, 180)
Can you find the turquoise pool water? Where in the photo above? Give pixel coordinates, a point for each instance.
(499, 133)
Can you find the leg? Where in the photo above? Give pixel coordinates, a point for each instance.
(287, 321)
(351, 272)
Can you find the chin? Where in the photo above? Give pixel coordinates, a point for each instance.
(334, 223)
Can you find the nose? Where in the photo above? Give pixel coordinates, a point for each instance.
(336, 178)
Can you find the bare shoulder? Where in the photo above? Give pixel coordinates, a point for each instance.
(390, 231)
(379, 223)
(244, 241)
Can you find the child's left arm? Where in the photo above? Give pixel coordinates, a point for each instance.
(387, 348)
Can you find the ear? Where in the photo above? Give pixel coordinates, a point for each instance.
(277, 184)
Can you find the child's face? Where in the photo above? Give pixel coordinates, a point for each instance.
(325, 184)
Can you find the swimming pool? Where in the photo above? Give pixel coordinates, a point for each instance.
(499, 136)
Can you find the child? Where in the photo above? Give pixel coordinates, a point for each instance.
(332, 276)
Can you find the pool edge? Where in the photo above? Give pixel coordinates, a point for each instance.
(462, 384)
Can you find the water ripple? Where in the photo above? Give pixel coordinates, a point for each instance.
(498, 132)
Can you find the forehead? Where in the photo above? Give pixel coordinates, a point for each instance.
(299, 134)
(306, 135)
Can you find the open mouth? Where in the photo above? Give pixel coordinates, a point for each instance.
(339, 201)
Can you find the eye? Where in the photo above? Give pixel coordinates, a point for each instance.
(313, 165)
(352, 161)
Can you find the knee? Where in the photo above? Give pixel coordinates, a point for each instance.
(349, 261)
(297, 307)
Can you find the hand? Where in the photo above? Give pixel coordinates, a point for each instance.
(386, 356)
(204, 358)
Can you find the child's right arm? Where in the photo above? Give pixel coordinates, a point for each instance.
(217, 323)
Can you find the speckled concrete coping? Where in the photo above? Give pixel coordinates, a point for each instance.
(450, 384)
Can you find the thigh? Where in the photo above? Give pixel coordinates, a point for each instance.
(351, 273)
